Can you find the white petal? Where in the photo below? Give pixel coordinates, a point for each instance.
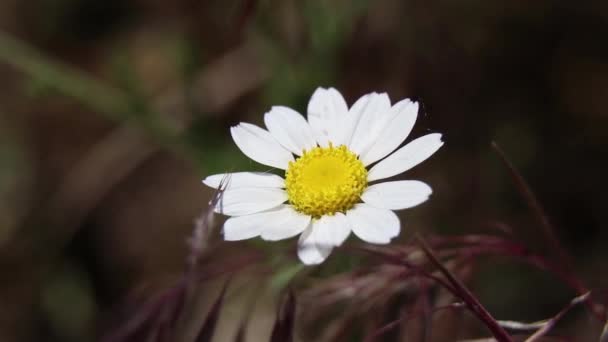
(406, 157)
(402, 117)
(372, 111)
(290, 129)
(282, 222)
(242, 228)
(245, 180)
(373, 225)
(259, 145)
(396, 195)
(245, 201)
(333, 229)
(327, 110)
(341, 229)
(313, 247)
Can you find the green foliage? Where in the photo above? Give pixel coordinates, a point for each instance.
(67, 299)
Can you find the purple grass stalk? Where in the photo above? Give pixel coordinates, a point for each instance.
(144, 315)
(240, 334)
(167, 320)
(463, 293)
(604, 336)
(164, 311)
(284, 324)
(248, 11)
(500, 226)
(548, 230)
(507, 248)
(343, 288)
(199, 241)
(425, 303)
(437, 241)
(393, 324)
(500, 246)
(551, 322)
(415, 269)
(340, 331)
(533, 204)
(207, 329)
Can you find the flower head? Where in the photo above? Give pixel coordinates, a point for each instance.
(329, 188)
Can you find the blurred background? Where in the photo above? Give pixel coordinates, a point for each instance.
(111, 113)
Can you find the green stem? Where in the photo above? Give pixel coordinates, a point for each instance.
(104, 99)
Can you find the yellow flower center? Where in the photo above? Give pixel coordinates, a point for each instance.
(325, 180)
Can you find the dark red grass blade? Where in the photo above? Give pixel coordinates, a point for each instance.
(249, 309)
(604, 337)
(547, 228)
(136, 327)
(396, 260)
(248, 11)
(208, 328)
(551, 322)
(341, 330)
(465, 294)
(283, 326)
(240, 334)
(174, 311)
(393, 324)
(534, 205)
(201, 234)
(141, 323)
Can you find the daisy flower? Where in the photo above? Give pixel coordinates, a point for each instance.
(329, 188)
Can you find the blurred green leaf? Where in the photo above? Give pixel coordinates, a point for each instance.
(67, 300)
(282, 277)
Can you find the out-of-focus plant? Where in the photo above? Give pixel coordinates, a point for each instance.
(371, 293)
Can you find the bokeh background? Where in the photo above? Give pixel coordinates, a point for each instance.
(111, 112)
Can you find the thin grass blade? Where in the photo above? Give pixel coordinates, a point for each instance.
(240, 334)
(551, 322)
(208, 327)
(283, 326)
(467, 296)
(604, 337)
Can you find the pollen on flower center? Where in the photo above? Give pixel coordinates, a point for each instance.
(325, 180)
